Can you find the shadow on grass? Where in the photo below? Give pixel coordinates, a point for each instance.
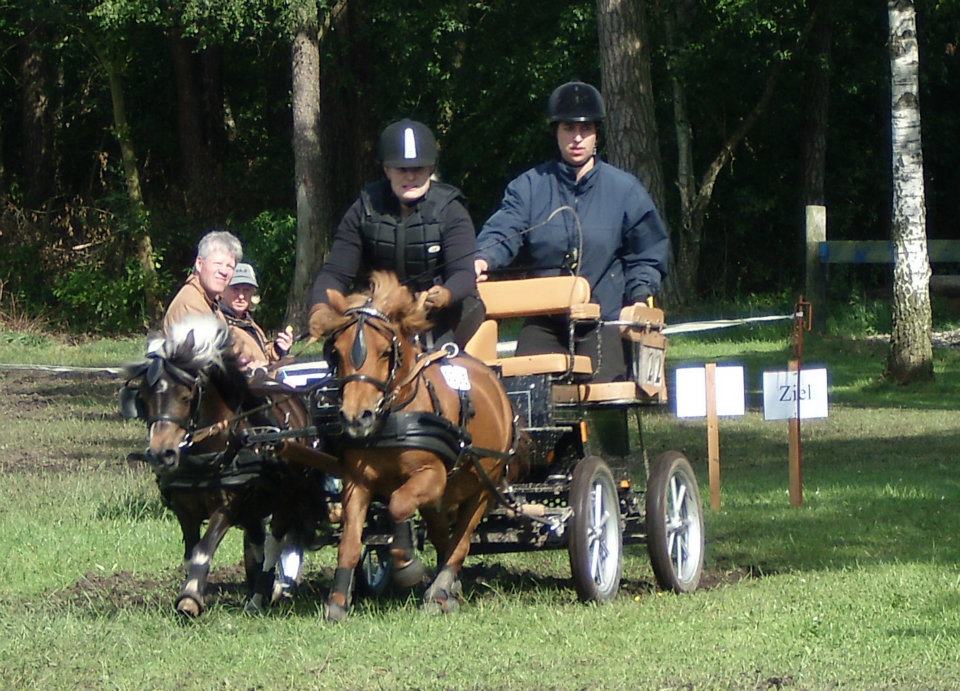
(99, 594)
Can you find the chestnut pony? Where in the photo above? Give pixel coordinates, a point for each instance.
(421, 431)
(191, 390)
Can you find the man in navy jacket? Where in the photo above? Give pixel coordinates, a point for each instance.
(620, 246)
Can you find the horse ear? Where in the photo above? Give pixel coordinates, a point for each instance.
(185, 349)
(337, 300)
(325, 318)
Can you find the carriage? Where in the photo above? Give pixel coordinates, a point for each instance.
(572, 494)
(494, 453)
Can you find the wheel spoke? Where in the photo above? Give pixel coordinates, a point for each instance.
(597, 503)
(679, 558)
(595, 560)
(681, 496)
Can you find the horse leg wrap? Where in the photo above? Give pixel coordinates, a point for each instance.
(403, 539)
(342, 585)
(412, 573)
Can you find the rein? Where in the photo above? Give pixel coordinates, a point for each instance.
(202, 433)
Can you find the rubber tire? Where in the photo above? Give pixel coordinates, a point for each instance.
(590, 474)
(668, 471)
(374, 573)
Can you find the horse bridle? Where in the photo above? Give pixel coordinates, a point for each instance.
(152, 371)
(362, 316)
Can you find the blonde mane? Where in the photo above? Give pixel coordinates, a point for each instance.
(211, 339)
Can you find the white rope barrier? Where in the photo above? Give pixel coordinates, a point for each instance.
(507, 348)
(690, 327)
(61, 368)
(504, 349)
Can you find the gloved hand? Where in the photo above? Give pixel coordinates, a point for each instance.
(437, 298)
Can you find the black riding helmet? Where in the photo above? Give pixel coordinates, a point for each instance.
(575, 102)
(407, 144)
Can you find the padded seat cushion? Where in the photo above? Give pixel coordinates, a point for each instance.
(530, 297)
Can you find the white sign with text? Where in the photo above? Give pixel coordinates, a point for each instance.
(692, 391)
(781, 393)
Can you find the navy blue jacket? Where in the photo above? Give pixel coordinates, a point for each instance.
(624, 242)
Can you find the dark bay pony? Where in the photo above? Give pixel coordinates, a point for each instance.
(405, 414)
(190, 389)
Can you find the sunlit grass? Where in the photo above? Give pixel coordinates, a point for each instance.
(857, 588)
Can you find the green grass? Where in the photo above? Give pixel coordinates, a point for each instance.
(858, 588)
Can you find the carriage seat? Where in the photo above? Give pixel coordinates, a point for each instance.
(530, 297)
(640, 324)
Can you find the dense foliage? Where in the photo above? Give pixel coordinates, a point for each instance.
(206, 88)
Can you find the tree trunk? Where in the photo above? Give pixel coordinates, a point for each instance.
(446, 114)
(195, 160)
(36, 119)
(911, 351)
(818, 100)
(312, 207)
(631, 126)
(633, 142)
(131, 176)
(214, 118)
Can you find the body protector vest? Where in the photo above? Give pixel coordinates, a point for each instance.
(413, 247)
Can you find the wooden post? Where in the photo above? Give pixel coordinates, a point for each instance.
(796, 450)
(815, 280)
(713, 435)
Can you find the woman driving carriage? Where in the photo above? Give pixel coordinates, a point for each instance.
(410, 224)
(620, 245)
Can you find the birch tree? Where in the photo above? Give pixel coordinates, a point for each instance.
(911, 351)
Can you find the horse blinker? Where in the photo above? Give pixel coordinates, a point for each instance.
(358, 351)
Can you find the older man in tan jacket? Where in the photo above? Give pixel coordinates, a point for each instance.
(217, 256)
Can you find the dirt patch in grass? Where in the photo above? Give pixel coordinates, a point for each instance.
(32, 401)
(102, 593)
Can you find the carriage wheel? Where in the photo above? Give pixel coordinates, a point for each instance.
(374, 570)
(674, 523)
(596, 531)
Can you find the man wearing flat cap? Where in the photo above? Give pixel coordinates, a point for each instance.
(249, 341)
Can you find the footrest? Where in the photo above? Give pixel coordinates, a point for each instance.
(593, 393)
(550, 363)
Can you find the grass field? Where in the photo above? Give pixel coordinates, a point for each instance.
(859, 588)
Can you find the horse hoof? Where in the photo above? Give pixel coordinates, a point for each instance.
(443, 605)
(410, 575)
(334, 613)
(189, 606)
(254, 605)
